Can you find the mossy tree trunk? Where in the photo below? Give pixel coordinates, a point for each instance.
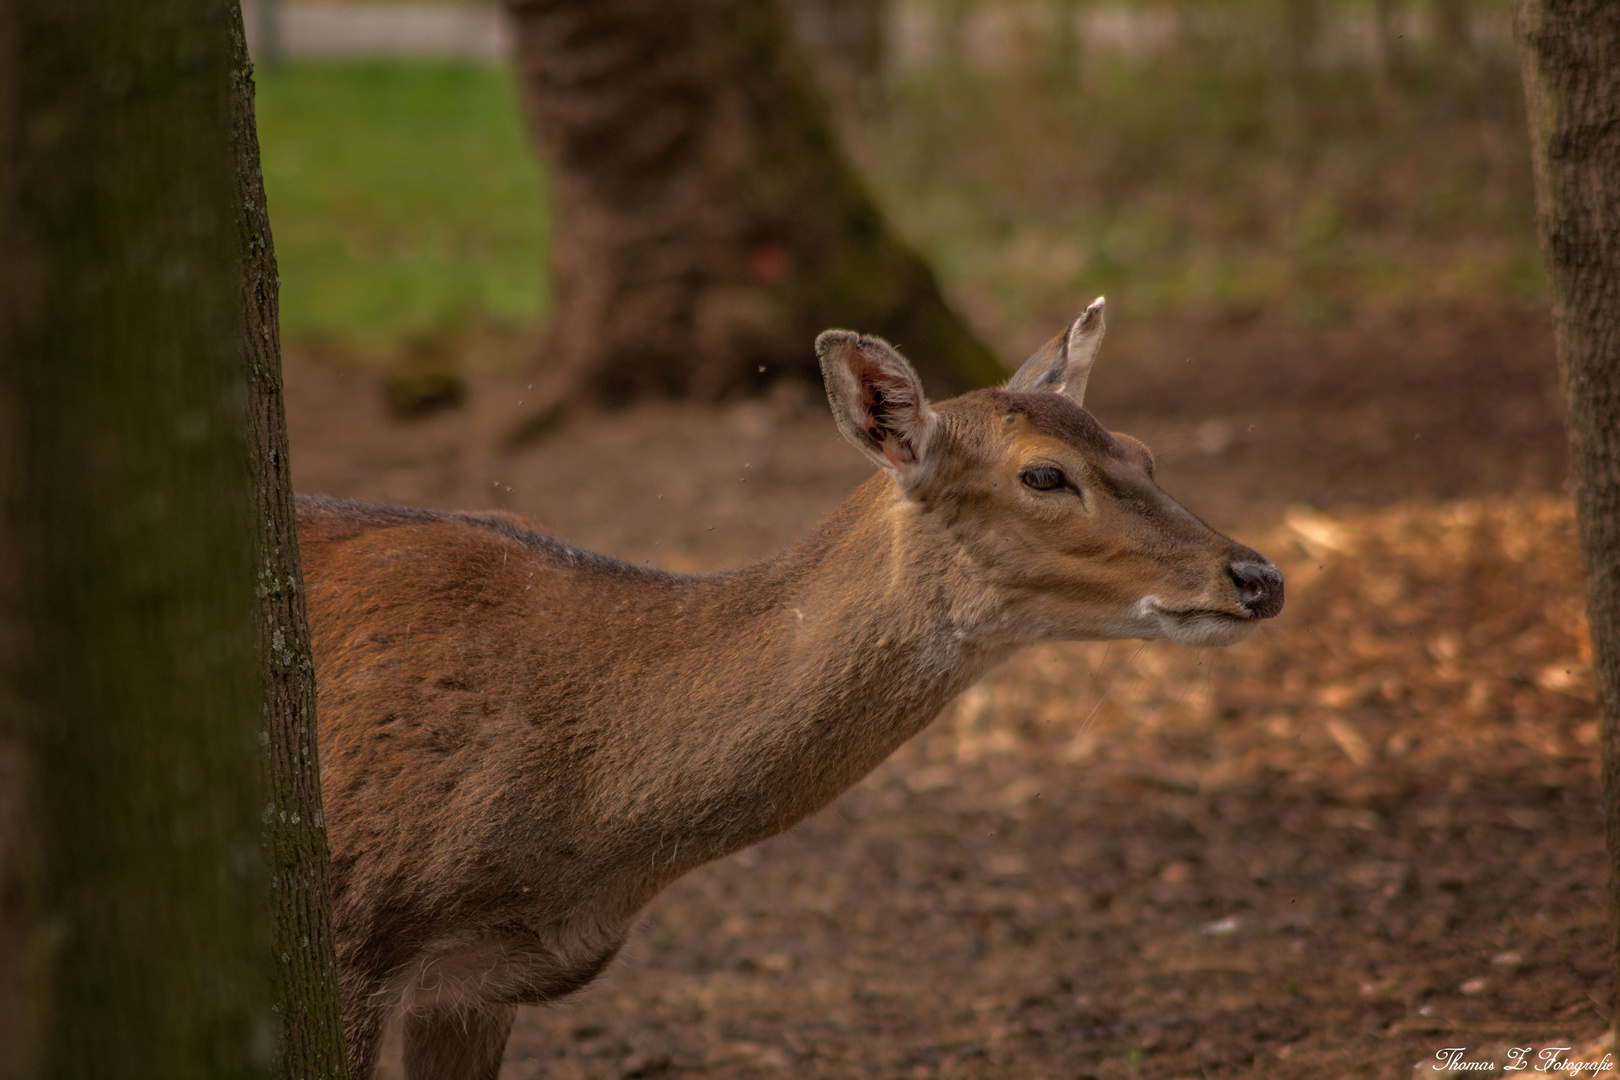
(296, 855)
(707, 223)
(1570, 56)
(133, 881)
(134, 929)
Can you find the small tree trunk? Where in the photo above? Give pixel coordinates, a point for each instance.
(1302, 30)
(1392, 58)
(1570, 56)
(847, 41)
(296, 856)
(951, 19)
(131, 894)
(707, 225)
(1453, 34)
(1064, 46)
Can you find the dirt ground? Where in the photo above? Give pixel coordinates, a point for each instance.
(1367, 834)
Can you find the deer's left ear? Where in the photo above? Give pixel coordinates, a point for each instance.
(878, 402)
(1063, 364)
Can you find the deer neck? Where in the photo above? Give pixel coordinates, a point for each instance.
(852, 641)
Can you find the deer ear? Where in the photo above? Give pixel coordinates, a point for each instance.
(877, 400)
(1063, 364)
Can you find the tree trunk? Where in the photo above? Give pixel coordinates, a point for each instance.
(296, 855)
(707, 225)
(1453, 32)
(1064, 49)
(1570, 56)
(1392, 59)
(847, 42)
(131, 893)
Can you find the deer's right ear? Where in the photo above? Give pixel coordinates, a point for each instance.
(1063, 364)
(877, 400)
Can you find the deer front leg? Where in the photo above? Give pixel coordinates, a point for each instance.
(450, 1044)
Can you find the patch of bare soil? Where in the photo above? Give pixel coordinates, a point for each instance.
(1371, 832)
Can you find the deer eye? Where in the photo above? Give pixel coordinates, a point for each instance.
(1044, 478)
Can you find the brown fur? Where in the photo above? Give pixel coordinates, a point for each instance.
(522, 743)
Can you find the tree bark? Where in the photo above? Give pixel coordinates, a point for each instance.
(1570, 57)
(707, 225)
(296, 856)
(846, 40)
(131, 892)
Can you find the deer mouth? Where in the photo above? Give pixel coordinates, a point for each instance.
(1198, 625)
(1207, 613)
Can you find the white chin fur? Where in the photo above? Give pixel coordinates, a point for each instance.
(1198, 628)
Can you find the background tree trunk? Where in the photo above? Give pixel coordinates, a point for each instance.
(1392, 53)
(129, 684)
(1570, 56)
(296, 854)
(1453, 31)
(706, 224)
(847, 41)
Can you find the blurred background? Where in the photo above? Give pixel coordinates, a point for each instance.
(1300, 161)
(1371, 830)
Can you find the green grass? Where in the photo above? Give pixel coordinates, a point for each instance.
(404, 199)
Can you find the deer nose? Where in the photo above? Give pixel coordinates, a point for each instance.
(1259, 587)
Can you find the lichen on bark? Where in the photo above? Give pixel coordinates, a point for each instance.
(311, 1040)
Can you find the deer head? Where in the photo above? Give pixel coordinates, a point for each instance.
(1052, 527)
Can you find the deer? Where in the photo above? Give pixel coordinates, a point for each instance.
(522, 742)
